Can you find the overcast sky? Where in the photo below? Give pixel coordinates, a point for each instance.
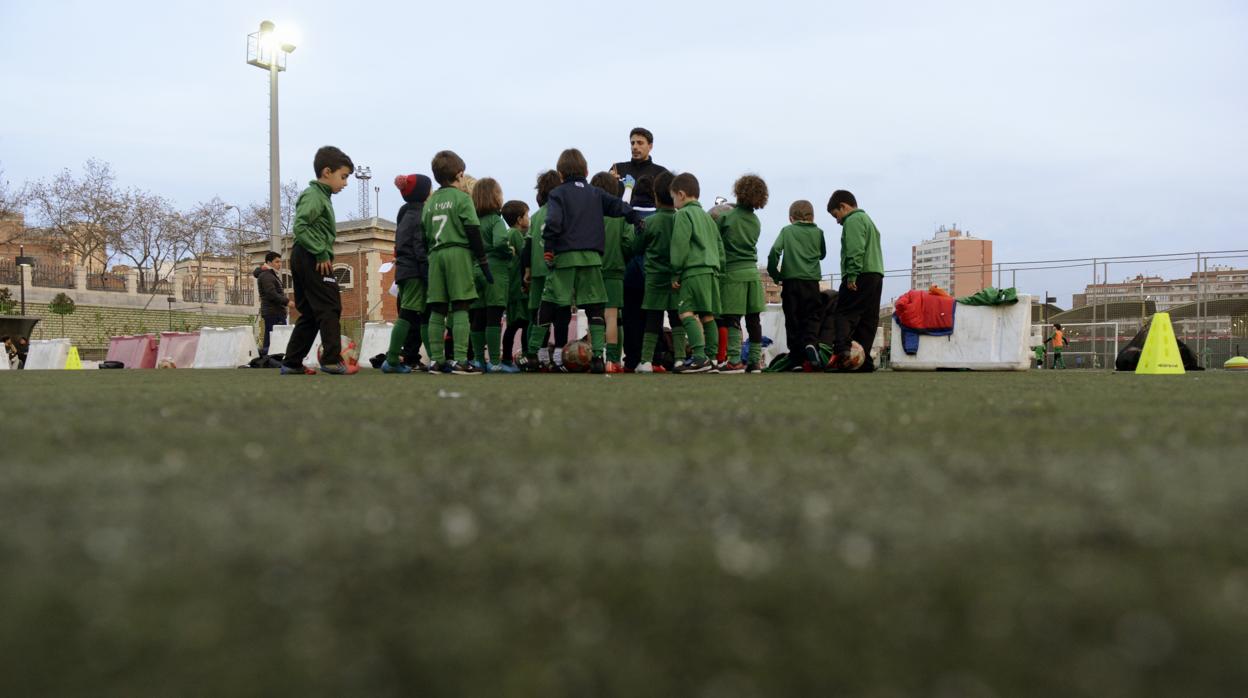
(1057, 129)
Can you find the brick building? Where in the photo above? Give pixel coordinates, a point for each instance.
(952, 260)
(1217, 283)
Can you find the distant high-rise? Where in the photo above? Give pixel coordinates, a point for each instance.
(952, 260)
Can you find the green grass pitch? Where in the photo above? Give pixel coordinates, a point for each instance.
(239, 533)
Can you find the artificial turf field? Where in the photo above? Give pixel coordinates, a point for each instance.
(214, 533)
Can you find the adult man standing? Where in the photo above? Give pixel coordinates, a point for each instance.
(640, 141)
(273, 301)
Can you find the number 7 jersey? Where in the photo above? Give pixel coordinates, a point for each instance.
(446, 217)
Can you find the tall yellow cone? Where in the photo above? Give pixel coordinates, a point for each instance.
(1161, 350)
(72, 362)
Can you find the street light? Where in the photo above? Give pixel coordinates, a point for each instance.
(23, 261)
(171, 300)
(267, 49)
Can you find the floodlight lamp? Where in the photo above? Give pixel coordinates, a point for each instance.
(288, 48)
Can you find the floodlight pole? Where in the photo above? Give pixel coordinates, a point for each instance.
(275, 202)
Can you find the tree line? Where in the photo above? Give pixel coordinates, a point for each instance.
(93, 216)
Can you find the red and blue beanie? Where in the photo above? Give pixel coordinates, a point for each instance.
(414, 188)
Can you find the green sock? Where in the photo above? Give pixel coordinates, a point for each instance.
(597, 337)
(436, 340)
(693, 334)
(734, 344)
(756, 352)
(459, 328)
(398, 335)
(711, 331)
(424, 337)
(613, 352)
(478, 345)
(537, 337)
(679, 341)
(648, 342)
(494, 342)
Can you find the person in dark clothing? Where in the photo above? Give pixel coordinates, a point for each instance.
(637, 174)
(273, 301)
(862, 281)
(411, 271)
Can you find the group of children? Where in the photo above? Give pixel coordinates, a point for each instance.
(465, 259)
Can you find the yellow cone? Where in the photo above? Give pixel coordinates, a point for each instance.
(1161, 350)
(73, 363)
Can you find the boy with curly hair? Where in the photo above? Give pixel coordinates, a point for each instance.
(740, 287)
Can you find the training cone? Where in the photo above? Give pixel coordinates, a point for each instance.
(1161, 350)
(72, 362)
(1236, 363)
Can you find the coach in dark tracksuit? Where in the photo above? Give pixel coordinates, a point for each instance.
(273, 300)
(640, 167)
(862, 280)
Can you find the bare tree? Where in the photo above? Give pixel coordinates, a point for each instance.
(11, 204)
(83, 213)
(256, 215)
(200, 230)
(152, 238)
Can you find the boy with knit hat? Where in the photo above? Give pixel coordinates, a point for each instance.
(411, 271)
(317, 297)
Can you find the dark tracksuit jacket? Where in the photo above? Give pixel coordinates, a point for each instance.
(574, 217)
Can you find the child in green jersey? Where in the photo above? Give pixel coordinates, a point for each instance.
(802, 246)
(516, 216)
(535, 272)
(695, 263)
(487, 325)
(616, 251)
(740, 287)
(655, 242)
(453, 236)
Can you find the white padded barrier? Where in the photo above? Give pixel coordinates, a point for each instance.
(281, 338)
(225, 347)
(377, 341)
(4, 359)
(47, 354)
(985, 338)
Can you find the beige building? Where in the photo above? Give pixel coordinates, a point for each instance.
(953, 260)
(1217, 283)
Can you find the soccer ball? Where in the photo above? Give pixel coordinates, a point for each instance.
(166, 363)
(350, 353)
(577, 356)
(856, 357)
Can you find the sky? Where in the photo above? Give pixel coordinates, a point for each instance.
(1057, 130)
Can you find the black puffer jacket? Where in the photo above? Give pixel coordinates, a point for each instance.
(574, 216)
(272, 297)
(411, 259)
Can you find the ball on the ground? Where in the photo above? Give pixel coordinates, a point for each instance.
(857, 357)
(166, 363)
(577, 356)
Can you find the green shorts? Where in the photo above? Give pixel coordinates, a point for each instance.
(537, 285)
(699, 294)
(660, 298)
(451, 276)
(582, 285)
(741, 296)
(497, 292)
(412, 295)
(615, 292)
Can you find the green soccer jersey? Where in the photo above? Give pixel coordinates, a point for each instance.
(515, 240)
(655, 242)
(494, 236)
(618, 247)
(740, 229)
(695, 243)
(447, 216)
(802, 246)
(537, 263)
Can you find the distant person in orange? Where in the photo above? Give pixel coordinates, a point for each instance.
(1058, 338)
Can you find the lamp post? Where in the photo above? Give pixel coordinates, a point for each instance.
(171, 300)
(267, 51)
(23, 261)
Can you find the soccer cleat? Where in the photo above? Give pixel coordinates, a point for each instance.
(646, 367)
(378, 360)
(506, 368)
(702, 365)
(614, 367)
(301, 371)
(558, 368)
(340, 369)
(753, 368)
(836, 364)
(597, 365)
(732, 368)
(660, 368)
(812, 354)
(465, 369)
(477, 365)
(397, 368)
